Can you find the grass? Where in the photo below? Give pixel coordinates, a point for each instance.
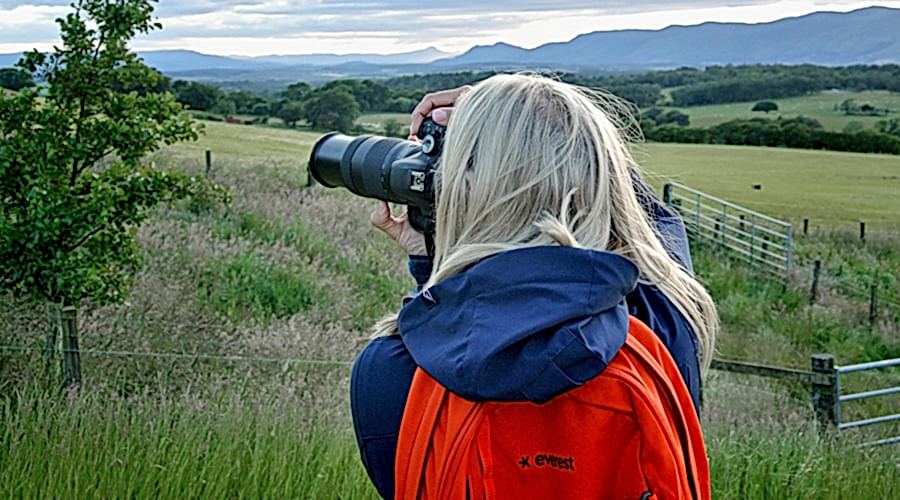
(173, 447)
(819, 106)
(376, 120)
(298, 275)
(831, 189)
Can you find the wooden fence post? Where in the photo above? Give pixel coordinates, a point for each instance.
(873, 304)
(62, 339)
(814, 290)
(805, 227)
(862, 231)
(70, 352)
(667, 194)
(208, 162)
(54, 314)
(825, 395)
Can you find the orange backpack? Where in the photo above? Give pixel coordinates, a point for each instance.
(629, 433)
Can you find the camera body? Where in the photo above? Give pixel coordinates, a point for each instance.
(388, 169)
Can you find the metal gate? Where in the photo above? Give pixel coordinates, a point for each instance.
(762, 241)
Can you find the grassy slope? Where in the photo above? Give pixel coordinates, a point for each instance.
(294, 272)
(819, 106)
(831, 189)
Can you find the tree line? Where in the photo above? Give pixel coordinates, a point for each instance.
(800, 132)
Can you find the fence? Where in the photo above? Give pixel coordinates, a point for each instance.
(758, 239)
(825, 382)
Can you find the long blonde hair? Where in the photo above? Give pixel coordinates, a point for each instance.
(531, 161)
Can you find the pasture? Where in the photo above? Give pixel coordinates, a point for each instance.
(820, 106)
(287, 281)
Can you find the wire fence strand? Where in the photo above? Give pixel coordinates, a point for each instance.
(181, 355)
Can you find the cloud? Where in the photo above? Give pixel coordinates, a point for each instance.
(389, 25)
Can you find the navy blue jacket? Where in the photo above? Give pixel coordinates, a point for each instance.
(524, 325)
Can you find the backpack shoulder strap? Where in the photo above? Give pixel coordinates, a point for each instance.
(436, 431)
(647, 349)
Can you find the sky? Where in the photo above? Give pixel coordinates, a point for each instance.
(253, 28)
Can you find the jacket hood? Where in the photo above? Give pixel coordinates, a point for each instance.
(522, 325)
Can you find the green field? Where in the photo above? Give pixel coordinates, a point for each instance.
(376, 120)
(288, 280)
(819, 106)
(829, 188)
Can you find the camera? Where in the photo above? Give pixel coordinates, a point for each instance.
(393, 170)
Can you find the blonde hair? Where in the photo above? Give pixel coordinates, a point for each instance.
(531, 161)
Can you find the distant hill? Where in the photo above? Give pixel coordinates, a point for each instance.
(7, 60)
(865, 36)
(417, 57)
(169, 61)
(178, 61)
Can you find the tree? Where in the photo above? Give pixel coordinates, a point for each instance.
(765, 106)
(15, 79)
(73, 187)
(296, 91)
(291, 113)
(333, 109)
(891, 126)
(393, 128)
(261, 109)
(195, 95)
(224, 106)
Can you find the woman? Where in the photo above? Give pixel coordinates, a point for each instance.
(538, 208)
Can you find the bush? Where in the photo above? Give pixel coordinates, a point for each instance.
(765, 107)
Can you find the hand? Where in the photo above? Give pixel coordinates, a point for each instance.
(399, 229)
(438, 105)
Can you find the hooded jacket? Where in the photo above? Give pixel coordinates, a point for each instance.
(523, 325)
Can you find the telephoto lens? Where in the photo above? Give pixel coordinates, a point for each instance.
(393, 170)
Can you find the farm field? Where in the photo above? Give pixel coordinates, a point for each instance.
(829, 188)
(288, 280)
(819, 106)
(376, 120)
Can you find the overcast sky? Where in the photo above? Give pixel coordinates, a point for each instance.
(240, 27)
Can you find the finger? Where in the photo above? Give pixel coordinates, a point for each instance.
(434, 100)
(382, 219)
(441, 116)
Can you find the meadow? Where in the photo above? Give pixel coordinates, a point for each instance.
(287, 281)
(820, 106)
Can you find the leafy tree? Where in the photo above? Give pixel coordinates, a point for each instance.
(224, 106)
(291, 113)
(73, 188)
(333, 109)
(15, 79)
(393, 128)
(261, 109)
(196, 95)
(296, 91)
(765, 106)
(891, 126)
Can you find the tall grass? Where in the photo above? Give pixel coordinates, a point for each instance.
(173, 446)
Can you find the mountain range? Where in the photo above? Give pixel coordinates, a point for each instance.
(870, 35)
(864, 36)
